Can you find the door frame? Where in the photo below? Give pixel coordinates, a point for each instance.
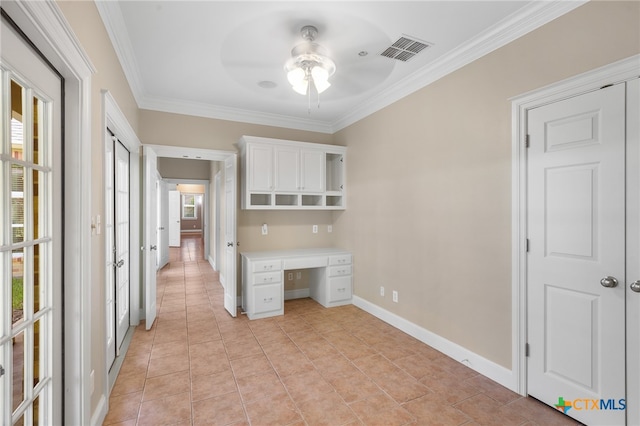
(617, 72)
(46, 27)
(114, 119)
(195, 154)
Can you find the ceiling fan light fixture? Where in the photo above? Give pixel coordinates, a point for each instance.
(309, 67)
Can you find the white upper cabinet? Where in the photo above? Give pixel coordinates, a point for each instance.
(260, 162)
(279, 174)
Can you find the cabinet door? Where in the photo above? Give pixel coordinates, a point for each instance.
(260, 167)
(287, 168)
(312, 170)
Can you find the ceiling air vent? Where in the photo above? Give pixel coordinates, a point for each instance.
(405, 48)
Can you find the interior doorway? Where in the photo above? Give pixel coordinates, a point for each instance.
(225, 161)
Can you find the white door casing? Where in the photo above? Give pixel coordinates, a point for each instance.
(150, 235)
(577, 237)
(174, 207)
(230, 286)
(34, 176)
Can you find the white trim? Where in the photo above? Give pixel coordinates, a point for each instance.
(212, 263)
(530, 17)
(299, 293)
(472, 360)
(100, 412)
(190, 153)
(616, 72)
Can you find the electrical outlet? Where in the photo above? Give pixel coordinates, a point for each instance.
(381, 291)
(290, 276)
(315, 229)
(329, 228)
(395, 296)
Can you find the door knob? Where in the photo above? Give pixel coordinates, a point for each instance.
(635, 286)
(153, 247)
(120, 263)
(609, 282)
(229, 244)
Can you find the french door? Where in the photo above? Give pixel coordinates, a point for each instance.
(117, 235)
(30, 236)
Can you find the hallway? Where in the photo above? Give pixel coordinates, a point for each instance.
(338, 366)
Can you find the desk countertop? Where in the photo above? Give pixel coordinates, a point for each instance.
(325, 251)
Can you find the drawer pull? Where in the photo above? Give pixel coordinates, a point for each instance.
(268, 299)
(342, 289)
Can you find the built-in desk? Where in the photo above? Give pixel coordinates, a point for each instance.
(330, 278)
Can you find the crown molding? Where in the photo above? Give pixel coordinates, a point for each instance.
(235, 114)
(113, 20)
(523, 21)
(516, 25)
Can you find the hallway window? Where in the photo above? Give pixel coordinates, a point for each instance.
(189, 210)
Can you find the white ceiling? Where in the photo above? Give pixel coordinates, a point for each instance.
(206, 58)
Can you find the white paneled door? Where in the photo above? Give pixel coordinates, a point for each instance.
(30, 236)
(163, 224)
(174, 218)
(150, 162)
(231, 255)
(576, 260)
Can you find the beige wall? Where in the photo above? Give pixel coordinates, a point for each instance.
(181, 168)
(87, 26)
(429, 207)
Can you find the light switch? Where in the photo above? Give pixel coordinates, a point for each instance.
(265, 229)
(315, 229)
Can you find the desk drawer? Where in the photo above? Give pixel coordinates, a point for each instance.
(339, 289)
(305, 262)
(337, 271)
(267, 265)
(267, 298)
(266, 278)
(340, 259)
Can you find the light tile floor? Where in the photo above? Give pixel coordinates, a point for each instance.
(312, 366)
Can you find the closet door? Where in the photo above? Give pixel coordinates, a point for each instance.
(576, 262)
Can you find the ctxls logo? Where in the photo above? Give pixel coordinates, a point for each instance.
(590, 404)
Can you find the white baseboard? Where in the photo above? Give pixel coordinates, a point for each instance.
(212, 263)
(297, 294)
(472, 360)
(100, 413)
